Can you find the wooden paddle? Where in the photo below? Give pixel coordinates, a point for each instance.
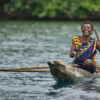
(97, 35)
(98, 68)
(26, 69)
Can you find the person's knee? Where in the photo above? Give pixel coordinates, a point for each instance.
(89, 66)
(88, 62)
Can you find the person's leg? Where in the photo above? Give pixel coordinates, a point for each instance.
(89, 66)
(87, 62)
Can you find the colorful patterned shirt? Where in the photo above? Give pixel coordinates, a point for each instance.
(83, 49)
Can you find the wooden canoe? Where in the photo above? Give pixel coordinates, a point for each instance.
(69, 73)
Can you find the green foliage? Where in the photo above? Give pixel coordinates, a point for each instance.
(53, 8)
(91, 5)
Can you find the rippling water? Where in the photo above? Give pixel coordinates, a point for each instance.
(33, 44)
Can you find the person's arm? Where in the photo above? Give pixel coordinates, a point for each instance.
(72, 50)
(98, 45)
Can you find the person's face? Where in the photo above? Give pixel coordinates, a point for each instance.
(86, 29)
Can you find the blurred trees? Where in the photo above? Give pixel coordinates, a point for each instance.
(2, 6)
(68, 9)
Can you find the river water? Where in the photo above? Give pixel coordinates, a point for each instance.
(33, 43)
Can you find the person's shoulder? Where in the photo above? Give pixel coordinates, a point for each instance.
(76, 37)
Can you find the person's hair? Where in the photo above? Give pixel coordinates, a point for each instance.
(87, 22)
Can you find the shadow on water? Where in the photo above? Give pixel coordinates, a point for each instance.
(89, 85)
(60, 84)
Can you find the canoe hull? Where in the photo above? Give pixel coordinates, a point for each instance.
(68, 73)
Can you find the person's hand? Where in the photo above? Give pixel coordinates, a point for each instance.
(74, 53)
(98, 41)
(98, 44)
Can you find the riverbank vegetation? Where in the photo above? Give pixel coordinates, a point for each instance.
(50, 9)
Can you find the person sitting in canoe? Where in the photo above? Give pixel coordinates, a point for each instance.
(84, 48)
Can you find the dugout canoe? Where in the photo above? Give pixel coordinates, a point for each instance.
(70, 73)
